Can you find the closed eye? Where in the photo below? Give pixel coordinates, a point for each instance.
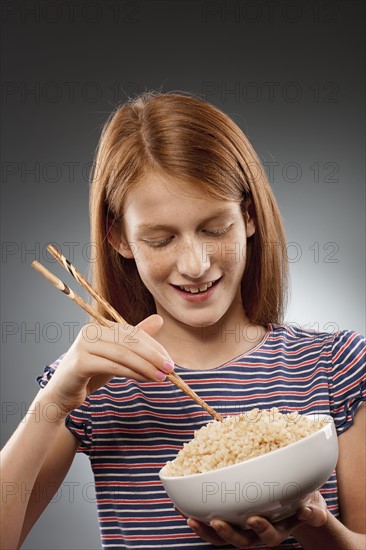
(218, 232)
(158, 244)
(211, 232)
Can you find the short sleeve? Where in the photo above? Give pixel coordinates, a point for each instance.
(79, 421)
(48, 371)
(348, 377)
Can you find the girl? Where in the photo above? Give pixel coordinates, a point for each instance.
(189, 246)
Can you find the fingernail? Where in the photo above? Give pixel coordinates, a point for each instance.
(168, 365)
(160, 376)
(305, 513)
(255, 524)
(219, 527)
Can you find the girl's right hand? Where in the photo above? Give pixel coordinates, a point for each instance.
(100, 353)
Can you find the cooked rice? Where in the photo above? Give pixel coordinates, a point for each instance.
(238, 438)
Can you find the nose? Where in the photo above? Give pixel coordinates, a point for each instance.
(192, 261)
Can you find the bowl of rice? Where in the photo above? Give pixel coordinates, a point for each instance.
(261, 462)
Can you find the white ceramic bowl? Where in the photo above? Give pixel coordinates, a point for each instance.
(272, 485)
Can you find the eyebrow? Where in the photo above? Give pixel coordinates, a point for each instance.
(150, 226)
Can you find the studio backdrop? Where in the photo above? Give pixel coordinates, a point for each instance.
(291, 75)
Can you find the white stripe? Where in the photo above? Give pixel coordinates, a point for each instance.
(182, 544)
(139, 493)
(134, 457)
(141, 528)
(133, 510)
(133, 439)
(151, 475)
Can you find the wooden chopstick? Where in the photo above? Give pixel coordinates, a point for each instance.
(60, 285)
(71, 294)
(84, 283)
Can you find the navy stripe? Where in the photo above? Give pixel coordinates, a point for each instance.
(130, 429)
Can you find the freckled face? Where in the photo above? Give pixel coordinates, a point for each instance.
(182, 239)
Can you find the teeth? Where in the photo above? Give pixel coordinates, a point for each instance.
(196, 289)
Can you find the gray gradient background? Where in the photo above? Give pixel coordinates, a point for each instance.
(312, 51)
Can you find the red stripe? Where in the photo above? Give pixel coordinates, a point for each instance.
(142, 501)
(348, 366)
(127, 483)
(137, 447)
(107, 465)
(138, 519)
(346, 344)
(149, 537)
(141, 431)
(148, 413)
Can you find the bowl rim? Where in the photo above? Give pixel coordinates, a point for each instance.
(265, 455)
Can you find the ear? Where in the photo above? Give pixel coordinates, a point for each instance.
(249, 219)
(117, 239)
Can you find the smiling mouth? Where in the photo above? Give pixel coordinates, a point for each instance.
(199, 289)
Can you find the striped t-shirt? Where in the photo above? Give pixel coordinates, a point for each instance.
(130, 429)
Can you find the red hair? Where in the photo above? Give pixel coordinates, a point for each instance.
(187, 139)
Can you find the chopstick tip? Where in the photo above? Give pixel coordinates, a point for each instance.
(51, 248)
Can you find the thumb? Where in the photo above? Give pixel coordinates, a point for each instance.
(151, 325)
(312, 515)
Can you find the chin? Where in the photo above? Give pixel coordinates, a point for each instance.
(203, 322)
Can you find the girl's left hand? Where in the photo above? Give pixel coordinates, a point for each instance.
(313, 512)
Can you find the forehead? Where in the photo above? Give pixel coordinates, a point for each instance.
(158, 197)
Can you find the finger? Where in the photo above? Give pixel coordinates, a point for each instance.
(268, 533)
(146, 329)
(117, 333)
(205, 532)
(99, 365)
(152, 324)
(127, 363)
(233, 534)
(119, 344)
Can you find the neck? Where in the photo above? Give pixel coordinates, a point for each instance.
(209, 345)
